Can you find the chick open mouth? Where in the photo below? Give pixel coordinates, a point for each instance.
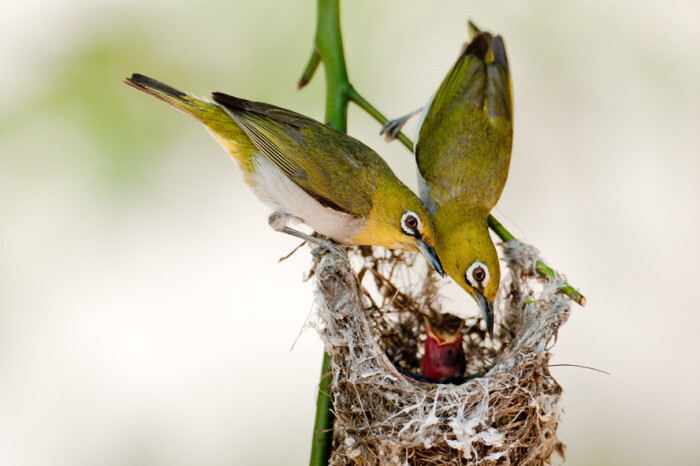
(401, 295)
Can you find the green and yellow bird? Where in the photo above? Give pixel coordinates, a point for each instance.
(310, 173)
(463, 154)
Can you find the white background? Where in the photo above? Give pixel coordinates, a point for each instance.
(144, 318)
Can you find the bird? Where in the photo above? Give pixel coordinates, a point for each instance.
(462, 153)
(310, 173)
(443, 359)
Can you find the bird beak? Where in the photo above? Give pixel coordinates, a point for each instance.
(487, 310)
(441, 340)
(432, 257)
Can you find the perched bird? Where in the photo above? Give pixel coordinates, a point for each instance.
(310, 173)
(463, 154)
(444, 358)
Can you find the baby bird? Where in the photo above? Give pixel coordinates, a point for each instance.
(444, 358)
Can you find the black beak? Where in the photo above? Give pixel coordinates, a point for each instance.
(487, 310)
(432, 257)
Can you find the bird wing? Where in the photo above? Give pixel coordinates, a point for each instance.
(465, 140)
(335, 169)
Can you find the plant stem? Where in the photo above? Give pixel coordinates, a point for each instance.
(311, 68)
(376, 114)
(323, 425)
(329, 44)
(541, 268)
(328, 47)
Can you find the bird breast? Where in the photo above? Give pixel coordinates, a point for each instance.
(278, 191)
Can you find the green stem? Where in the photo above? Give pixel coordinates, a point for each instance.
(541, 268)
(499, 229)
(376, 114)
(328, 47)
(310, 70)
(329, 44)
(323, 425)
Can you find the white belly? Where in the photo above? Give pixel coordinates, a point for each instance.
(286, 198)
(425, 195)
(423, 187)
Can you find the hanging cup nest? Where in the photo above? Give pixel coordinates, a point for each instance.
(505, 412)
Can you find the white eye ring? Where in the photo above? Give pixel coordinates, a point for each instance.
(406, 228)
(469, 275)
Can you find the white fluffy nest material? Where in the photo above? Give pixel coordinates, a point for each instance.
(507, 416)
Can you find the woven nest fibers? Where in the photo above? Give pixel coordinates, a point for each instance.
(371, 323)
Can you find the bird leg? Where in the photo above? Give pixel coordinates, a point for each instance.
(279, 220)
(392, 128)
(308, 238)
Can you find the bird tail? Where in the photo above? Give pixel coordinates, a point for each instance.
(197, 108)
(219, 124)
(490, 50)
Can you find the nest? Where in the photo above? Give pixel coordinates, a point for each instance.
(505, 411)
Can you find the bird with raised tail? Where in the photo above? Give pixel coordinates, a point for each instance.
(463, 154)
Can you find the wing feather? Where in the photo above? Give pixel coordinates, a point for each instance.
(337, 170)
(465, 141)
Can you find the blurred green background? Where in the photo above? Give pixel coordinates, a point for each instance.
(144, 319)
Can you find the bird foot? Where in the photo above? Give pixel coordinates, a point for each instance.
(392, 128)
(323, 244)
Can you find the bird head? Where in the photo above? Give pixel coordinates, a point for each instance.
(399, 220)
(444, 356)
(470, 259)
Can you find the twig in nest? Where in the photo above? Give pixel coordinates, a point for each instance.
(291, 253)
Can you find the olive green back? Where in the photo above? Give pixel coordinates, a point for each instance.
(337, 170)
(464, 146)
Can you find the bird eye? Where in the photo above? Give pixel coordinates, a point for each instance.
(477, 274)
(410, 223)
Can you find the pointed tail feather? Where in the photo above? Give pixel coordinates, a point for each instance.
(220, 125)
(491, 51)
(197, 108)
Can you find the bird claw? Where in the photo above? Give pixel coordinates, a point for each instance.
(392, 128)
(327, 246)
(322, 244)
